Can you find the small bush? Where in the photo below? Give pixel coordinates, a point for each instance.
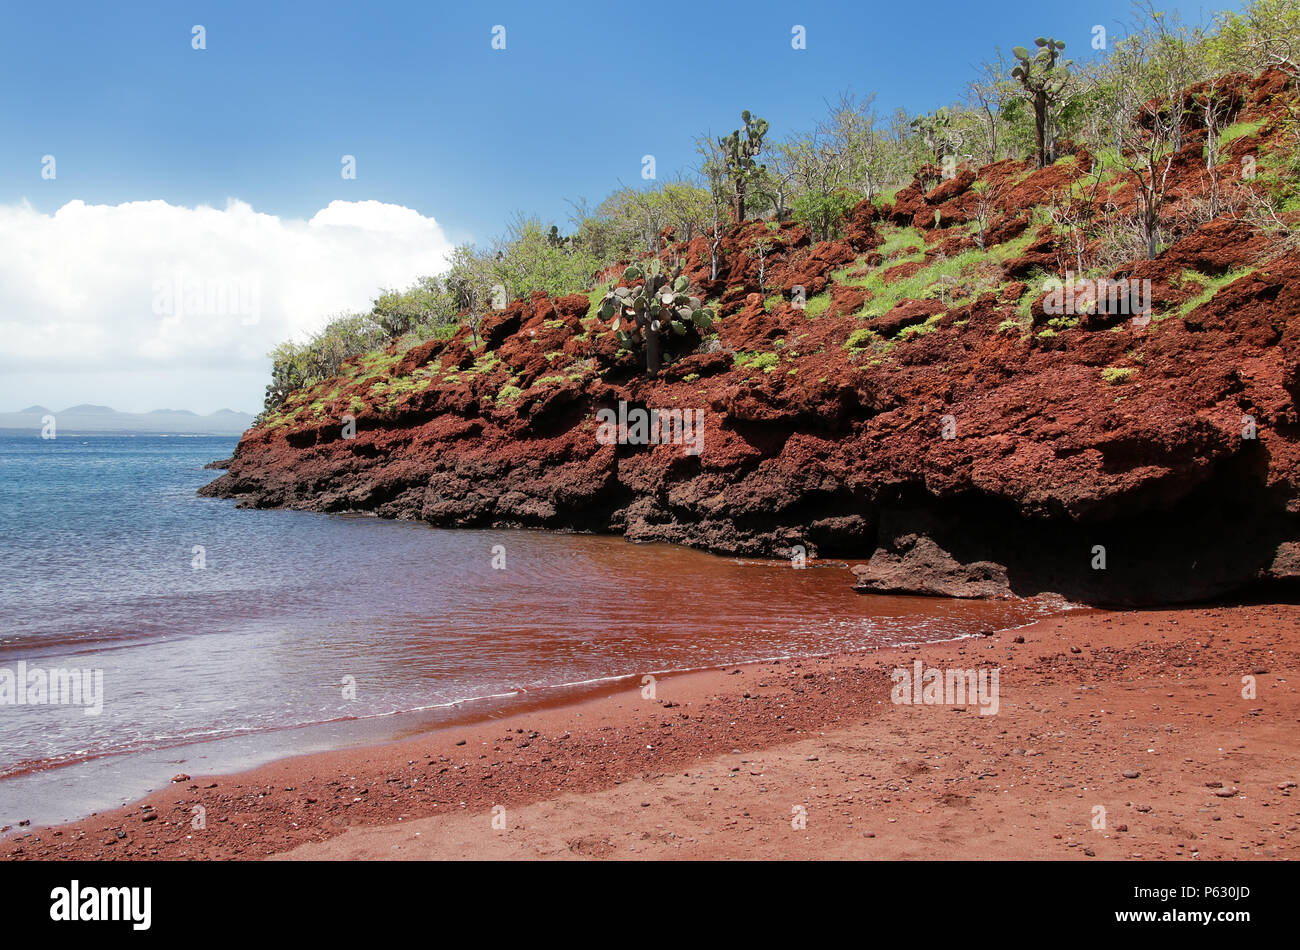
(920, 329)
(764, 361)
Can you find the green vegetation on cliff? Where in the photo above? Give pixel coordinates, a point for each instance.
(1035, 105)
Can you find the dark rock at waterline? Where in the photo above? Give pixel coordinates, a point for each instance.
(915, 564)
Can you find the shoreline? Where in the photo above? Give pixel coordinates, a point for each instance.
(718, 762)
(45, 792)
(363, 732)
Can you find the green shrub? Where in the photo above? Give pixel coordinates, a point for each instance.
(764, 361)
(920, 329)
(861, 338)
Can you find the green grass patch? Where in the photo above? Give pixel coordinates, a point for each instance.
(901, 239)
(1034, 287)
(920, 329)
(594, 298)
(1238, 130)
(1109, 158)
(861, 338)
(764, 361)
(372, 364)
(1209, 287)
(817, 306)
(927, 283)
(908, 243)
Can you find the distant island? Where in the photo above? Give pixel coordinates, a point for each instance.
(86, 418)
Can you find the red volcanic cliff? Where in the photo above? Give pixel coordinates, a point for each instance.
(926, 413)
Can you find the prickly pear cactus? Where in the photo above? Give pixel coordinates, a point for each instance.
(1044, 69)
(645, 317)
(1045, 77)
(936, 129)
(740, 153)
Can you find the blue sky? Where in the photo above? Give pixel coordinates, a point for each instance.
(439, 121)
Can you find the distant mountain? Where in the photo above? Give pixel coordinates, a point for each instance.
(87, 418)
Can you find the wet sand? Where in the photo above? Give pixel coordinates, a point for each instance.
(1119, 735)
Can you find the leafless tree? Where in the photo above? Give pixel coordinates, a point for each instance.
(712, 169)
(1151, 110)
(987, 95)
(1074, 212)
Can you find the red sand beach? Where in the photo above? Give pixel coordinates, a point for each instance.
(1118, 735)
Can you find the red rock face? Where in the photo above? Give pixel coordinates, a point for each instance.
(1112, 460)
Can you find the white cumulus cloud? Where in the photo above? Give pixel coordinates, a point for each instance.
(149, 286)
